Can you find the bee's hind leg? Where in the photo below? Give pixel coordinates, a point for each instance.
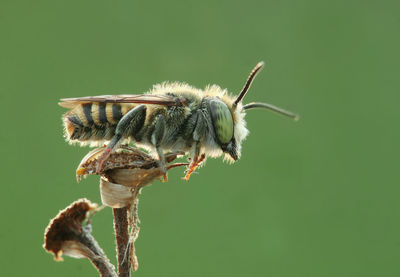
(157, 137)
(129, 124)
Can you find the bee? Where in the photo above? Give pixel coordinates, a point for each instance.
(171, 117)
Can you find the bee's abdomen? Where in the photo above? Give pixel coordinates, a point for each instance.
(94, 121)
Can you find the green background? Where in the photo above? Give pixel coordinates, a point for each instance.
(318, 197)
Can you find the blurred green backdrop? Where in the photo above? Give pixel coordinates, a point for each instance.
(318, 197)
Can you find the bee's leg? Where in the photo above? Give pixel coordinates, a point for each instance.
(129, 124)
(157, 136)
(198, 133)
(162, 164)
(195, 162)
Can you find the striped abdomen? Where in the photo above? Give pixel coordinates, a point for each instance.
(94, 121)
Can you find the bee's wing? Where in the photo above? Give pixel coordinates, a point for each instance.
(165, 100)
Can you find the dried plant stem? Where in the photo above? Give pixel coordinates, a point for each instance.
(100, 260)
(122, 239)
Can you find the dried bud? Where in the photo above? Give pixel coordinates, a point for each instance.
(63, 235)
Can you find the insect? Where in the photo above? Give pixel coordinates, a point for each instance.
(171, 117)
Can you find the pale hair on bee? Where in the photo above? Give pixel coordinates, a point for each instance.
(173, 117)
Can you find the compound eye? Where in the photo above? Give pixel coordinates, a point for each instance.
(222, 121)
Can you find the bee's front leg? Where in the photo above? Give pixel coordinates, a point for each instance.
(157, 137)
(198, 133)
(129, 124)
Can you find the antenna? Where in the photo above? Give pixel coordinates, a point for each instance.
(272, 108)
(248, 83)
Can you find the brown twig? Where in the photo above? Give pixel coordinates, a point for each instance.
(121, 229)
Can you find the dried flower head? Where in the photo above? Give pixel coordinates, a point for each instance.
(127, 166)
(63, 234)
(67, 235)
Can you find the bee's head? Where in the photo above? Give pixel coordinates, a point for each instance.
(229, 125)
(223, 123)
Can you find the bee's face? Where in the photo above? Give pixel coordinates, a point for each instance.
(223, 126)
